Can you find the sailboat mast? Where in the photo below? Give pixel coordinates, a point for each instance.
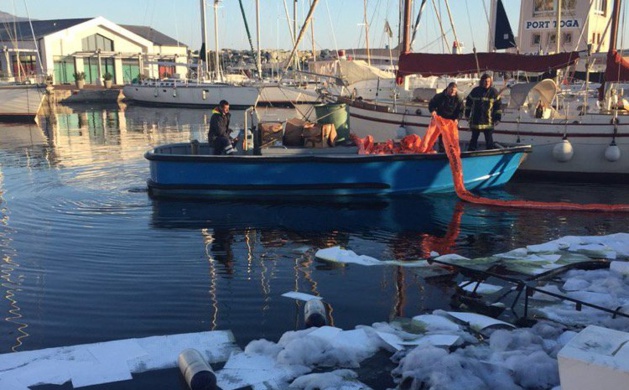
(417, 20)
(219, 75)
(295, 31)
(443, 33)
(456, 39)
(366, 31)
(491, 41)
(406, 37)
(558, 31)
(258, 60)
(314, 48)
(406, 28)
(301, 33)
(205, 68)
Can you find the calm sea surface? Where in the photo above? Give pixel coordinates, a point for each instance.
(88, 256)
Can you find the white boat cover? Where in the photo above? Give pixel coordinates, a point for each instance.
(544, 90)
(350, 71)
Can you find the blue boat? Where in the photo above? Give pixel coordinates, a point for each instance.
(190, 170)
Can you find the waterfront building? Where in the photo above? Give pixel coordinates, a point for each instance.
(95, 46)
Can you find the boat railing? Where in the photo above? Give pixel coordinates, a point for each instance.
(302, 151)
(358, 103)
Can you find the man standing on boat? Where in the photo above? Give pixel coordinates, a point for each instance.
(483, 111)
(218, 135)
(448, 105)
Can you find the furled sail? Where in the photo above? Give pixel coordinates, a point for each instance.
(428, 64)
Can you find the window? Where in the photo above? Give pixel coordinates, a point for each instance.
(97, 41)
(552, 38)
(566, 38)
(107, 66)
(24, 66)
(543, 7)
(599, 7)
(64, 69)
(130, 70)
(90, 67)
(547, 7)
(166, 71)
(568, 5)
(536, 39)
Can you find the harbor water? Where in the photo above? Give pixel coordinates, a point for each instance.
(89, 256)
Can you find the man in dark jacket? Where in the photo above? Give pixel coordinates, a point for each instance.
(483, 111)
(447, 104)
(218, 136)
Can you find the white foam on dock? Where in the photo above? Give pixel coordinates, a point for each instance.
(106, 362)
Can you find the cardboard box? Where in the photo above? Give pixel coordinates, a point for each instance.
(293, 132)
(272, 133)
(596, 358)
(320, 136)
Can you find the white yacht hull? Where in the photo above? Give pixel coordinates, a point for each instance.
(21, 102)
(590, 137)
(192, 95)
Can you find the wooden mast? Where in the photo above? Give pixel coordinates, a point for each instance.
(406, 36)
(406, 28)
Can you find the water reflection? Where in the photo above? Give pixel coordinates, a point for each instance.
(413, 226)
(15, 136)
(89, 256)
(10, 275)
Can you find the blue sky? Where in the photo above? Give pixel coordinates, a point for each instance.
(338, 23)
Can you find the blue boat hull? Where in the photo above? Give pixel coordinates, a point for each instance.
(322, 172)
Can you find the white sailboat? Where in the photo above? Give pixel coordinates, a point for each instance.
(590, 145)
(21, 93)
(194, 93)
(20, 102)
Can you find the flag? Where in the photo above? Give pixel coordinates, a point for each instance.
(387, 29)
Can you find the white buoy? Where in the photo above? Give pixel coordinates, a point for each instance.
(197, 373)
(562, 151)
(401, 132)
(314, 313)
(612, 153)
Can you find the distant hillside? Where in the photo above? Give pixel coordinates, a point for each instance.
(7, 17)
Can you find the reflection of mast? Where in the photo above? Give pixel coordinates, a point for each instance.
(400, 293)
(10, 285)
(207, 240)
